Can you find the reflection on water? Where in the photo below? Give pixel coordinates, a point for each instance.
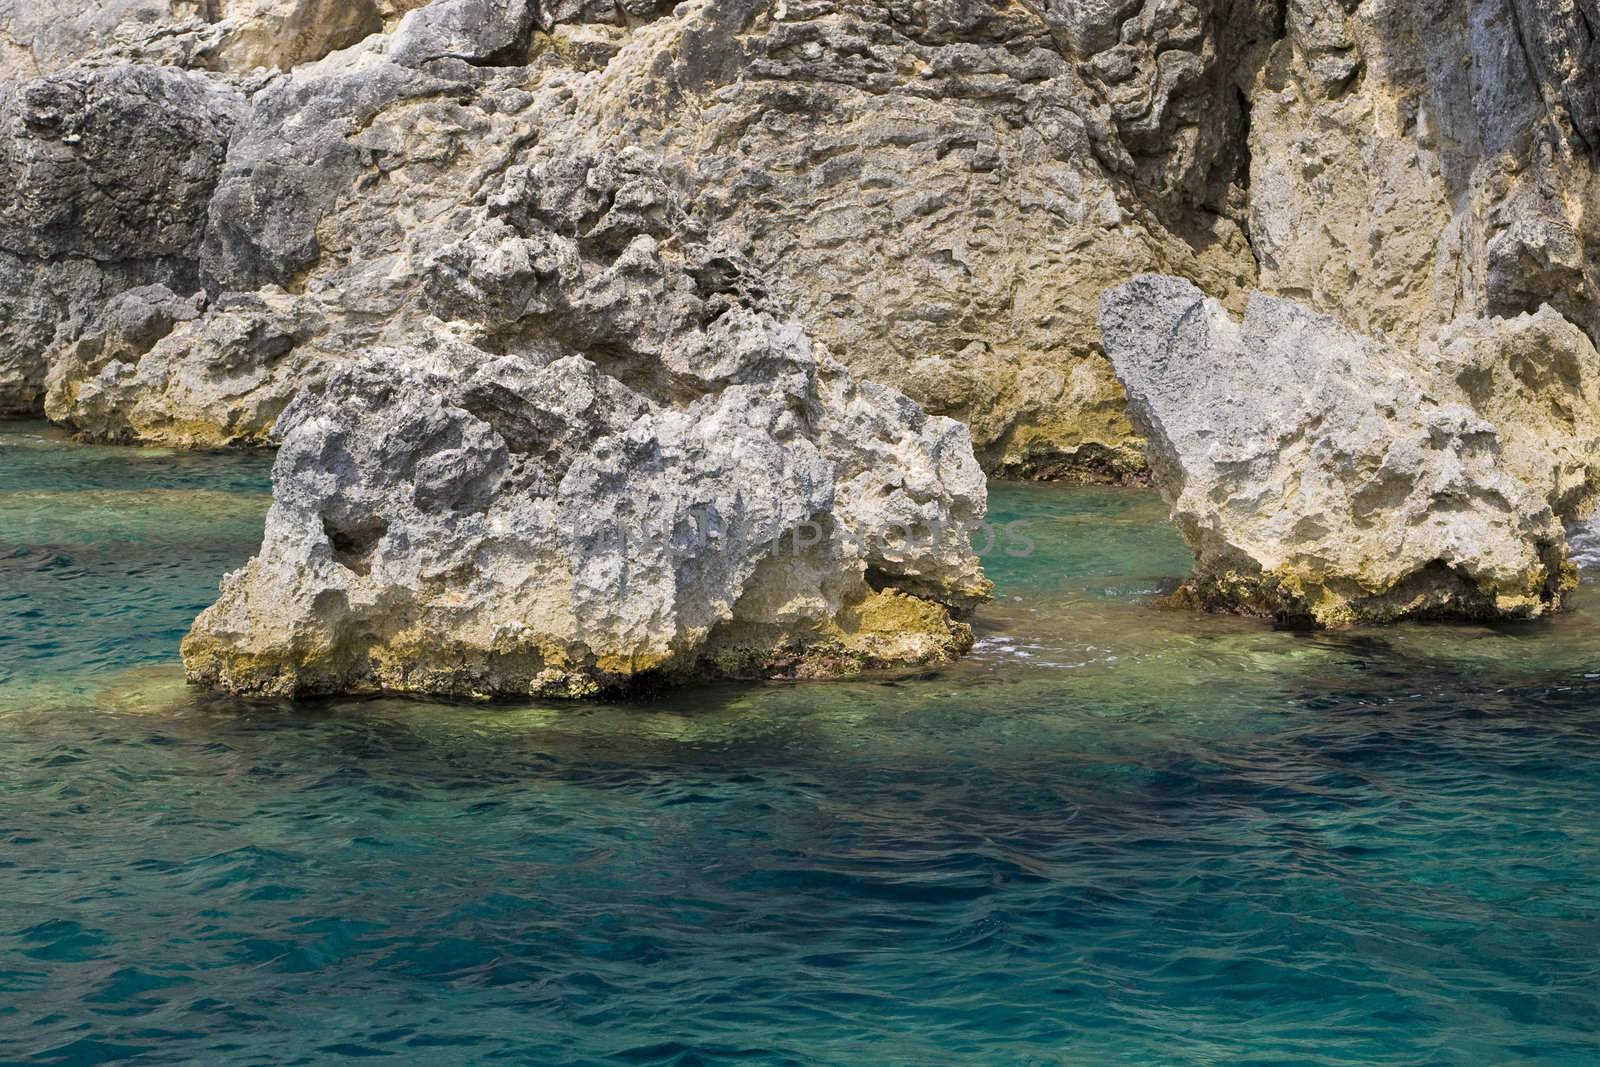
(1114, 834)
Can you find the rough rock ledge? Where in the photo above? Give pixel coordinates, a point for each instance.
(454, 522)
(1327, 477)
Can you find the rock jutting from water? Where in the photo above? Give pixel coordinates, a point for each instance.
(1324, 476)
(215, 216)
(661, 480)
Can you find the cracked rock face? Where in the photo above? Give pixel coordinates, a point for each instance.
(456, 522)
(1320, 475)
(107, 177)
(1412, 163)
(941, 190)
(224, 35)
(214, 208)
(611, 465)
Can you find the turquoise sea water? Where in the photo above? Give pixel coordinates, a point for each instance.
(1114, 835)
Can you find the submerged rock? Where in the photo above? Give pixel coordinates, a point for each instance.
(1324, 476)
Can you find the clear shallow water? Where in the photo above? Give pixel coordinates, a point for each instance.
(1114, 835)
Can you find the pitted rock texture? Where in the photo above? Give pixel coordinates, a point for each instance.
(106, 178)
(112, 164)
(939, 190)
(597, 458)
(942, 190)
(39, 38)
(1320, 475)
(457, 522)
(1412, 163)
(934, 194)
(188, 373)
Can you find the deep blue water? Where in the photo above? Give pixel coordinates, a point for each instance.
(1114, 835)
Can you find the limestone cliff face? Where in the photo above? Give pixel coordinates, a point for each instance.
(1413, 163)
(211, 207)
(942, 190)
(108, 175)
(939, 190)
(221, 35)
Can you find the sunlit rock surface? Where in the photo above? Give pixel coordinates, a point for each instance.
(106, 178)
(1325, 476)
(937, 191)
(211, 210)
(475, 525)
(605, 463)
(1412, 163)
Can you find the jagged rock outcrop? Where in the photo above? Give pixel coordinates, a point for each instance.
(939, 191)
(934, 194)
(193, 373)
(1413, 163)
(337, 185)
(585, 452)
(642, 475)
(223, 35)
(1325, 476)
(1536, 377)
(942, 190)
(108, 176)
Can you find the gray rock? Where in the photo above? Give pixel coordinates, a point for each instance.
(942, 190)
(109, 164)
(46, 301)
(455, 522)
(160, 369)
(1454, 175)
(1323, 476)
(482, 33)
(106, 176)
(938, 191)
(38, 38)
(290, 163)
(580, 468)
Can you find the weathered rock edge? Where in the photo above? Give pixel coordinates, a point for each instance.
(1329, 478)
(457, 524)
(601, 460)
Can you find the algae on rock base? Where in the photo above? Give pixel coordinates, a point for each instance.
(1323, 476)
(506, 527)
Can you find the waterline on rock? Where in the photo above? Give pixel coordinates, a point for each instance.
(1114, 833)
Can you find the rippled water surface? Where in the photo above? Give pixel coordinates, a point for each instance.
(1114, 835)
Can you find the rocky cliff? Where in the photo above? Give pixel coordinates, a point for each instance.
(212, 208)
(938, 190)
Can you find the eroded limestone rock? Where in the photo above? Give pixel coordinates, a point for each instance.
(456, 522)
(1413, 163)
(159, 369)
(941, 190)
(1326, 476)
(590, 454)
(106, 176)
(38, 38)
